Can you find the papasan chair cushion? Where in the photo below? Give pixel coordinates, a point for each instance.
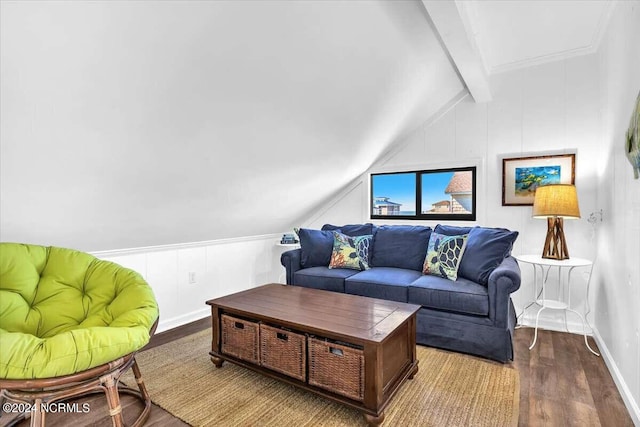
(63, 311)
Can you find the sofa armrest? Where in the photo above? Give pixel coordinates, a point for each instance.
(290, 260)
(503, 281)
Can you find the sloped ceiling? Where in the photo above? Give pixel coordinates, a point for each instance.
(128, 124)
(520, 33)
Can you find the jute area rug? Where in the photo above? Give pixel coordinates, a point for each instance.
(449, 389)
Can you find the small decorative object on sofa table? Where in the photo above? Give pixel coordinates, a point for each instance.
(555, 202)
(541, 267)
(288, 239)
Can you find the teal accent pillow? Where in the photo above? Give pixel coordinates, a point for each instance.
(350, 252)
(444, 254)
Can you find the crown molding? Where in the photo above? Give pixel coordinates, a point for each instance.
(591, 48)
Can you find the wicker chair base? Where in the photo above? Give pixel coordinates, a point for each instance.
(39, 393)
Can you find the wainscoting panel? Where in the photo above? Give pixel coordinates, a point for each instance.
(184, 276)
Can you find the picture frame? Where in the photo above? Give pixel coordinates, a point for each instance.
(632, 140)
(430, 194)
(522, 175)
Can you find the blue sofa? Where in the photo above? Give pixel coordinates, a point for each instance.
(473, 314)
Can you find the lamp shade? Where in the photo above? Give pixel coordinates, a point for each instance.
(556, 200)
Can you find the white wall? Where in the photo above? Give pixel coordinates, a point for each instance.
(220, 267)
(143, 123)
(617, 276)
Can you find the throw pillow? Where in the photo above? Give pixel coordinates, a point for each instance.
(452, 230)
(486, 249)
(350, 252)
(351, 229)
(444, 254)
(315, 247)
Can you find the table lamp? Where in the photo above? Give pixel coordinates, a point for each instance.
(556, 202)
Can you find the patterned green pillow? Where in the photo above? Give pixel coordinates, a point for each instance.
(444, 254)
(350, 252)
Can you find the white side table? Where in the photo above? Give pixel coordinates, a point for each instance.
(288, 246)
(285, 247)
(541, 269)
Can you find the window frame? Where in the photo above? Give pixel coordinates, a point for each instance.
(419, 215)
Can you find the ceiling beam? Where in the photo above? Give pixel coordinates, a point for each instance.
(457, 36)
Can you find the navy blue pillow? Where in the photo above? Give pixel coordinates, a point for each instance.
(315, 247)
(452, 230)
(401, 246)
(486, 249)
(352, 230)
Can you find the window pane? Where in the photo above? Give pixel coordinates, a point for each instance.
(447, 192)
(393, 194)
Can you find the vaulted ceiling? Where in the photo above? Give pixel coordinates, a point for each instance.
(519, 33)
(128, 124)
(485, 37)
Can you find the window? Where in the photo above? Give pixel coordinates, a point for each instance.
(437, 194)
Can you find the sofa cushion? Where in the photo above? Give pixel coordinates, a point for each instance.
(444, 254)
(351, 229)
(350, 252)
(486, 249)
(315, 247)
(400, 246)
(462, 296)
(381, 282)
(328, 279)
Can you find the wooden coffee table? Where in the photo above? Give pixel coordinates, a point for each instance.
(351, 349)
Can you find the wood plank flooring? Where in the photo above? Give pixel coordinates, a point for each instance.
(561, 384)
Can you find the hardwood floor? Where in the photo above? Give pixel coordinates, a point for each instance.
(561, 384)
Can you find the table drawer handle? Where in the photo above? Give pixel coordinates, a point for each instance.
(336, 351)
(238, 325)
(281, 336)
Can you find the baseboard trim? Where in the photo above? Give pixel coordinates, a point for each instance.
(623, 388)
(179, 332)
(174, 322)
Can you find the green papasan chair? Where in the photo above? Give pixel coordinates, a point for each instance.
(70, 325)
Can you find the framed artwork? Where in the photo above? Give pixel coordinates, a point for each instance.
(632, 142)
(522, 175)
(434, 194)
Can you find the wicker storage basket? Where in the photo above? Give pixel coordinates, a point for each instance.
(241, 338)
(283, 351)
(337, 368)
